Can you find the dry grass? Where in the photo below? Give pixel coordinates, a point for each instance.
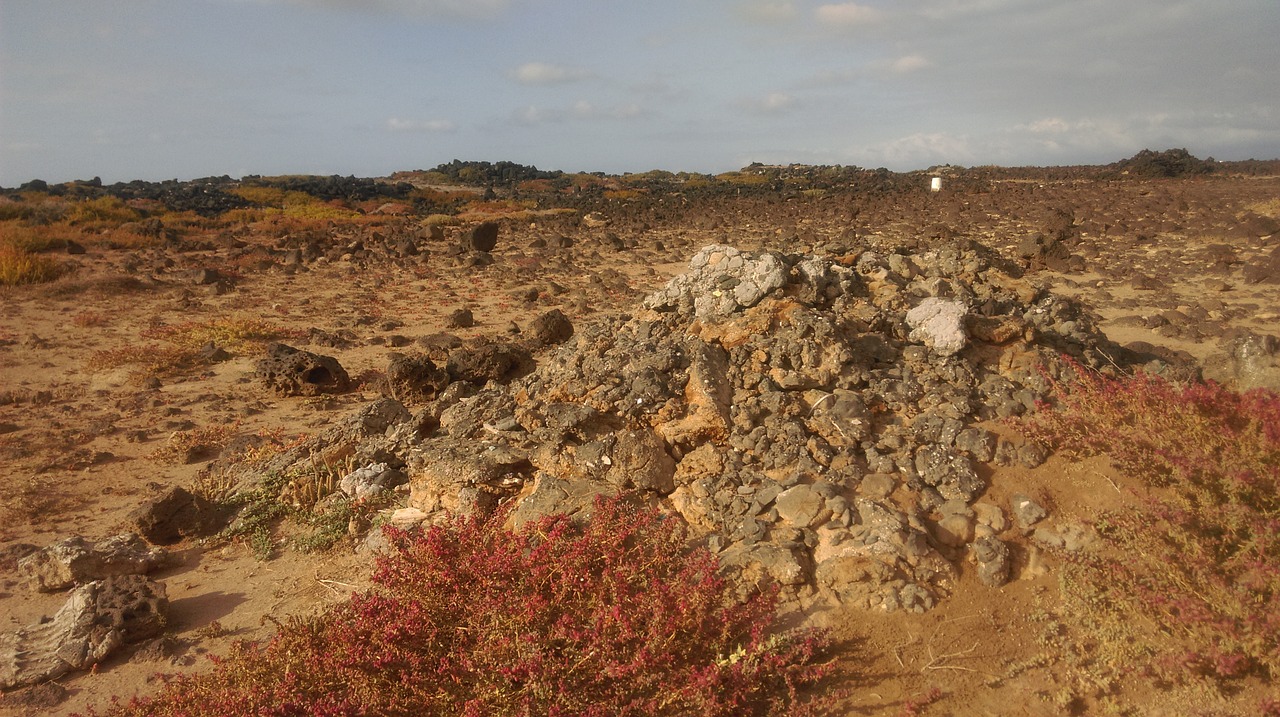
(184, 447)
(183, 345)
(19, 267)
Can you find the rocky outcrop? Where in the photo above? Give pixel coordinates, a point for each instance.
(1247, 361)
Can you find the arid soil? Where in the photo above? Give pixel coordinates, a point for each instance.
(1172, 263)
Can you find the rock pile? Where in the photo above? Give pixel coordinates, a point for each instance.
(818, 420)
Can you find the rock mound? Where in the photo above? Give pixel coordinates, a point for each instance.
(817, 420)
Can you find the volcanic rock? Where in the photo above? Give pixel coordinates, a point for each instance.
(177, 514)
(293, 372)
(96, 619)
(414, 379)
(548, 329)
(75, 561)
(483, 237)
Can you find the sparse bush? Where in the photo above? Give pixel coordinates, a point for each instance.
(102, 212)
(185, 447)
(19, 267)
(613, 617)
(184, 343)
(1189, 583)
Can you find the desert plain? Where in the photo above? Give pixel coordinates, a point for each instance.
(784, 420)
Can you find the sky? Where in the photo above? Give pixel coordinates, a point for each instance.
(180, 89)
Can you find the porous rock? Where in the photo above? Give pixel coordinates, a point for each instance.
(496, 362)
(292, 372)
(414, 379)
(97, 618)
(74, 561)
(549, 329)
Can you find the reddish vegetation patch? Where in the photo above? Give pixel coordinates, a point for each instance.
(614, 617)
(1193, 569)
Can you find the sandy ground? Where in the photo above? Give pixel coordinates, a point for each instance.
(79, 447)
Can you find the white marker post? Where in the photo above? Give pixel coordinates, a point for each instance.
(935, 184)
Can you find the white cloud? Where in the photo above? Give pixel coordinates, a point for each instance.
(543, 73)
(910, 63)
(849, 14)
(457, 9)
(582, 110)
(770, 13)
(397, 124)
(773, 103)
(919, 150)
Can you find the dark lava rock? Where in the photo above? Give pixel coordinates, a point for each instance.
(414, 379)
(460, 319)
(292, 372)
(497, 362)
(177, 514)
(483, 236)
(549, 329)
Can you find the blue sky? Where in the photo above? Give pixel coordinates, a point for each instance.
(161, 89)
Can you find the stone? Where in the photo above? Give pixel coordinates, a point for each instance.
(992, 557)
(483, 237)
(939, 324)
(990, 515)
(640, 460)
(721, 281)
(707, 395)
(1248, 361)
(877, 485)
(97, 618)
(949, 472)
(177, 514)
(977, 442)
(292, 372)
(371, 480)
(496, 362)
(75, 561)
(1026, 511)
(553, 496)
(549, 329)
(766, 562)
(464, 477)
(801, 506)
(954, 530)
(414, 379)
(460, 319)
